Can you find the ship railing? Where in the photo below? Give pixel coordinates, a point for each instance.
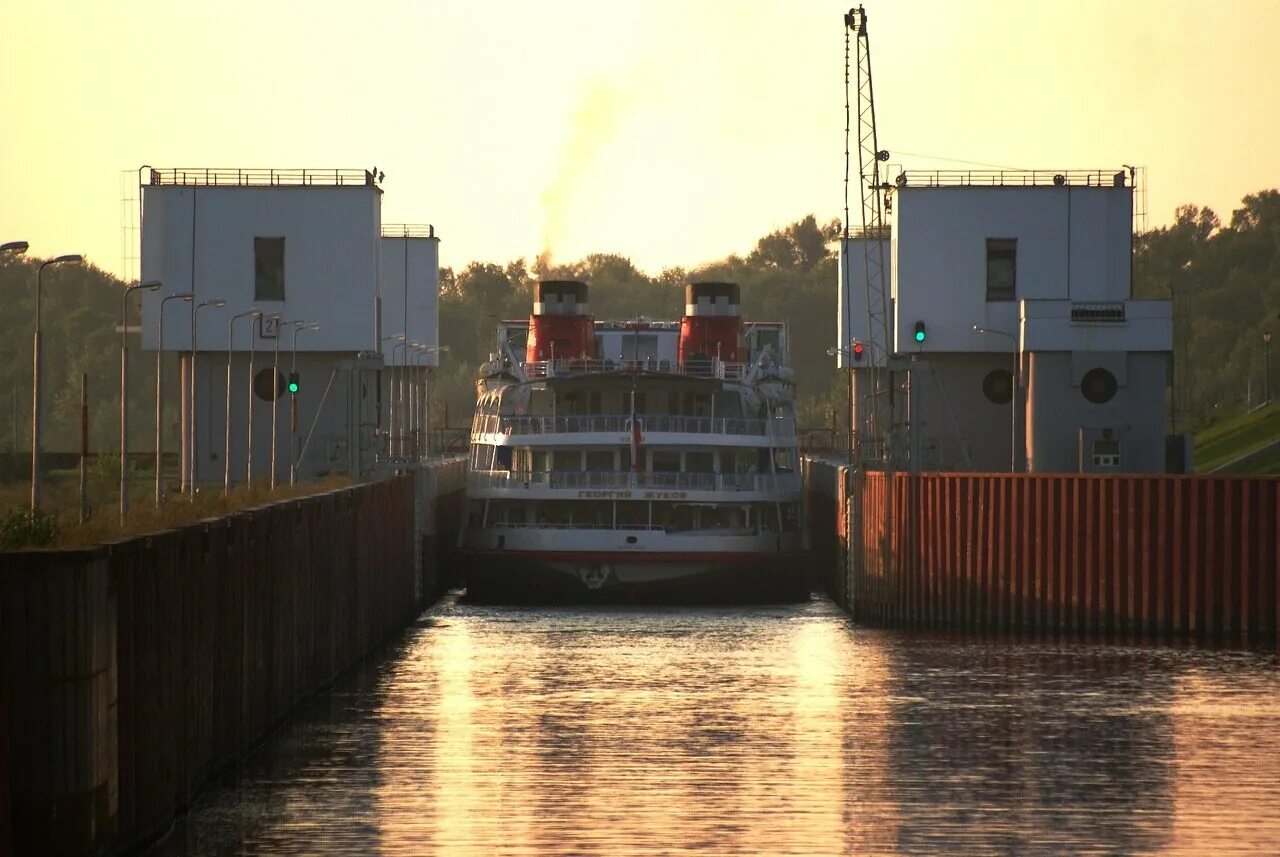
(695, 368)
(780, 428)
(601, 479)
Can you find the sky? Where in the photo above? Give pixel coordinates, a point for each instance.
(672, 132)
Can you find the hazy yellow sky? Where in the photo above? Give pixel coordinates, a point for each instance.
(670, 132)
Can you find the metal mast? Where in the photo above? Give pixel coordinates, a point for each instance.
(872, 187)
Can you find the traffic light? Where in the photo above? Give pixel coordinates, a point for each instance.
(858, 350)
(293, 383)
(920, 333)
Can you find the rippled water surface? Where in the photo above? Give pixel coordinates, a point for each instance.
(772, 730)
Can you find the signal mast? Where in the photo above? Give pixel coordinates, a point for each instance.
(873, 190)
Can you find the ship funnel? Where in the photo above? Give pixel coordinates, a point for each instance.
(712, 323)
(561, 327)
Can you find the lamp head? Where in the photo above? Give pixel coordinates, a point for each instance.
(216, 303)
(15, 247)
(150, 285)
(69, 259)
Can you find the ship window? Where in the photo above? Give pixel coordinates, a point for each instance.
(771, 338)
(600, 460)
(624, 461)
(502, 458)
(728, 405)
(268, 269)
(1001, 269)
(699, 462)
(723, 517)
(665, 461)
(539, 461)
(782, 462)
(553, 513)
(631, 514)
(563, 460)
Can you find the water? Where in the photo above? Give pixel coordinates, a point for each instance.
(775, 730)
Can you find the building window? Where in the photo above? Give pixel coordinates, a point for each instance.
(1098, 386)
(1002, 254)
(268, 269)
(998, 386)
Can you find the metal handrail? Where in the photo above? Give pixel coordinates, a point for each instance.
(408, 230)
(587, 479)
(565, 367)
(619, 423)
(237, 177)
(1013, 178)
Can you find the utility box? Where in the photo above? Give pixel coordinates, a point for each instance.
(1102, 450)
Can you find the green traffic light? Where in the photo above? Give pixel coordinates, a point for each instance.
(920, 331)
(293, 386)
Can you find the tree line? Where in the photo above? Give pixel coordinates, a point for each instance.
(1223, 277)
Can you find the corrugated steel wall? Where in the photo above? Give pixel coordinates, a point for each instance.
(1152, 557)
(133, 672)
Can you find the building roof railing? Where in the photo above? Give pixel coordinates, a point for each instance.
(408, 230)
(238, 177)
(1013, 178)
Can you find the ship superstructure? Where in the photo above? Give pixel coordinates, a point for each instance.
(637, 458)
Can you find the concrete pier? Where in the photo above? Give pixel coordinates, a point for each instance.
(133, 672)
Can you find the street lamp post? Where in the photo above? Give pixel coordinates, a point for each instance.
(397, 397)
(226, 442)
(847, 351)
(293, 403)
(150, 286)
(248, 478)
(36, 368)
(391, 393)
(184, 296)
(192, 433)
(424, 422)
(275, 393)
(415, 351)
(1013, 399)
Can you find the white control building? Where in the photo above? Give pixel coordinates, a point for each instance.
(1012, 305)
(289, 273)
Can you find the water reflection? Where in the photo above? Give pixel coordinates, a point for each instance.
(770, 730)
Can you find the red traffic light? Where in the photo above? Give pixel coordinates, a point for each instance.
(858, 349)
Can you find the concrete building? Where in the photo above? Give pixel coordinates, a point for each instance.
(1026, 277)
(304, 248)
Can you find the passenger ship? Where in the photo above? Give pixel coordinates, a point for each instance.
(635, 460)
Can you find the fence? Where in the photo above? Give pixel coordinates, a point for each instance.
(1152, 557)
(135, 671)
